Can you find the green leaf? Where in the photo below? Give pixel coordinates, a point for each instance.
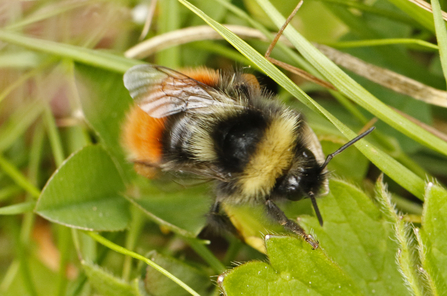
(85, 193)
(158, 284)
(359, 239)
(183, 211)
(355, 236)
(105, 102)
(107, 284)
(295, 269)
(434, 237)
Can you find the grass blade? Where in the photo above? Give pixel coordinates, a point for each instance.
(352, 89)
(441, 34)
(124, 251)
(83, 55)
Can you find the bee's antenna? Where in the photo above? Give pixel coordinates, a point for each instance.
(317, 210)
(328, 159)
(330, 156)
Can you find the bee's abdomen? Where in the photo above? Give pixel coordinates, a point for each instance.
(176, 140)
(142, 136)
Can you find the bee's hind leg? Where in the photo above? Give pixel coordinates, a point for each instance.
(278, 215)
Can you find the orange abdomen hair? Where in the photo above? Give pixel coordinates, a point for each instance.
(142, 136)
(142, 133)
(205, 75)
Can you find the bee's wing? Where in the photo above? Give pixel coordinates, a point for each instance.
(206, 172)
(161, 92)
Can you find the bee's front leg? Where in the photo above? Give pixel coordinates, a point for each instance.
(278, 215)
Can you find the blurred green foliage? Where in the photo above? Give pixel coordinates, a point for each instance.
(63, 170)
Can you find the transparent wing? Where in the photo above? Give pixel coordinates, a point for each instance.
(161, 92)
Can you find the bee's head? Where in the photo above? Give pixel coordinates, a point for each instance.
(306, 177)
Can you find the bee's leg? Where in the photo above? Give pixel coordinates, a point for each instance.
(219, 222)
(278, 215)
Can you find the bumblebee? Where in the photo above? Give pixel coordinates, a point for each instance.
(224, 126)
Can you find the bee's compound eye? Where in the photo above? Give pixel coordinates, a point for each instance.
(293, 183)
